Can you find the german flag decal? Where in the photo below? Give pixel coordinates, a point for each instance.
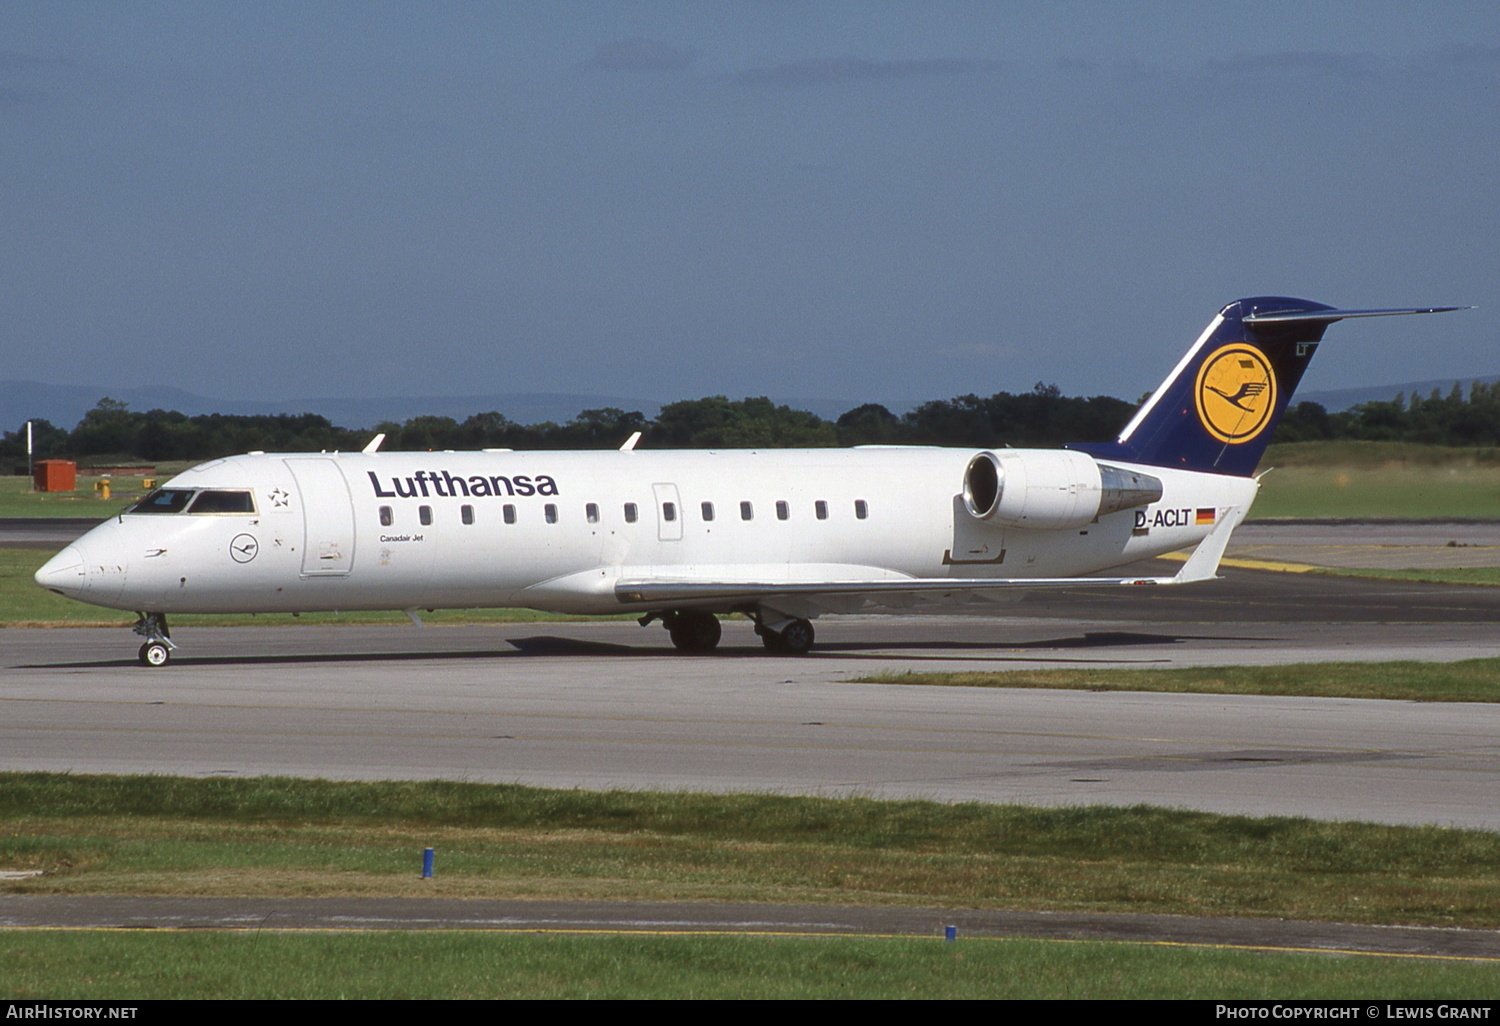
(1206, 515)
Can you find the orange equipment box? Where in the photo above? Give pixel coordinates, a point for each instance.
(55, 476)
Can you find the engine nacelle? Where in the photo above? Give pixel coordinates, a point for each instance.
(1050, 490)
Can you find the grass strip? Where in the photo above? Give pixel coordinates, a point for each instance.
(260, 964)
(1468, 680)
(1488, 576)
(282, 836)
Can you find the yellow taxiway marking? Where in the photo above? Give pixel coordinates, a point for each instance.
(1251, 564)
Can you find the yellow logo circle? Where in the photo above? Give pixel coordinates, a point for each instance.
(1236, 393)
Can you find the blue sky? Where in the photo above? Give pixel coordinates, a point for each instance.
(668, 200)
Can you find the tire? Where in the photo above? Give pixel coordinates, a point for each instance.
(154, 653)
(695, 631)
(796, 638)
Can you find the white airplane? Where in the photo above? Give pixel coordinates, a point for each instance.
(781, 536)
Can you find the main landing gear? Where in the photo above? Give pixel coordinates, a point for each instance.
(789, 637)
(692, 630)
(695, 630)
(158, 647)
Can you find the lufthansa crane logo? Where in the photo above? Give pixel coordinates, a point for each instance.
(243, 548)
(1236, 393)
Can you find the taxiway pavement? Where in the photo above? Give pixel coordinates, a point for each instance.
(611, 705)
(668, 918)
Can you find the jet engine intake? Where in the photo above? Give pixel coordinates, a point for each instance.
(1051, 490)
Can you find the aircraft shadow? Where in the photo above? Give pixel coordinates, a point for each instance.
(546, 645)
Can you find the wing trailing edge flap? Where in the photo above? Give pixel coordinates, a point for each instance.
(720, 584)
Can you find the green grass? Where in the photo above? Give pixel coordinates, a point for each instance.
(1377, 454)
(18, 500)
(276, 836)
(1486, 576)
(263, 964)
(1379, 479)
(1399, 493)
(1468, 680)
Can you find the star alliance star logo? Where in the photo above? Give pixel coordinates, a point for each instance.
(280, 498)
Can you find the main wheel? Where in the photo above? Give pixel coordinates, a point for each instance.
(154, 653)
(696, 631)
(796, 638)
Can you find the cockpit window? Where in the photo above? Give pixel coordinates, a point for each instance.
(164, 500)
(215, 501)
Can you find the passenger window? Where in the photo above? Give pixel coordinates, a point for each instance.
(467, 512)
(708, 511)
(549, 513)
(631, 513)
(424, 514)
(508, 513)
(591, 512)
(861, 509)
(669, 511)
(782, 509)
(821, 507)
(387, 518)
(747, 511)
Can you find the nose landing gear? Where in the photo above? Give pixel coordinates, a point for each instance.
(695, 630)
(157, 650)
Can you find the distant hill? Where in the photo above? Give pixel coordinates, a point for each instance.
(65, 405)
(1339, 399)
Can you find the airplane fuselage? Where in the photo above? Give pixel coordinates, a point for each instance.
(781, 535)
(557, 530)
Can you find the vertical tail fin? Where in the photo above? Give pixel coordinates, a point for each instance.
(1220, 405)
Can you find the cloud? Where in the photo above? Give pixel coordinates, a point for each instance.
(822, 70)
(1342, 65)
(641, 55)
(1466, 55)
(17, 59)
(21, 63)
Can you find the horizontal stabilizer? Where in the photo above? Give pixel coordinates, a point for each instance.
(1329, 316)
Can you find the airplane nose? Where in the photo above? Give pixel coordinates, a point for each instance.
(64, 573)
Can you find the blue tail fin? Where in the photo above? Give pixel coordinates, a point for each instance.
(1218, 408)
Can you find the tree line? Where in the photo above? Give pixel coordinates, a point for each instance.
(112, 432)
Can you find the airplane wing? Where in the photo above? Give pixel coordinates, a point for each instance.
(1202, 565)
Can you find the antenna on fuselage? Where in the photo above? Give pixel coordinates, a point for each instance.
(375, 443)
(629, 445)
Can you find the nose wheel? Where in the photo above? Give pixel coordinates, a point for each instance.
(154, 653)
(157, 651)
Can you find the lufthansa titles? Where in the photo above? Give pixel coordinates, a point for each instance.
(425, 484)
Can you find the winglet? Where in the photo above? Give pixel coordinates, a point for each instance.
(375, 443)
(1203, 564)
(629, 445)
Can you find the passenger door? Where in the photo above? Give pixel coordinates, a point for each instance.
(327, 517)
